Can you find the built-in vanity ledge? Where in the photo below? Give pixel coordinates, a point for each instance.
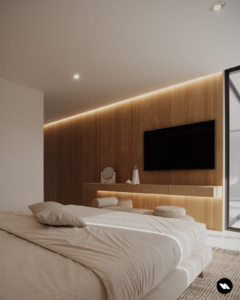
(162, 189)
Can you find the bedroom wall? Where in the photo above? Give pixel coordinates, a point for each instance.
(79, 148)
(21, 146)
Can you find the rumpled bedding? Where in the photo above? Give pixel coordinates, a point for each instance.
(129, 253)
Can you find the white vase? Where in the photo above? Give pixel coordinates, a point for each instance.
(135, 178)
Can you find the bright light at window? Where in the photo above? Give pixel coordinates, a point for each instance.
(76, 76)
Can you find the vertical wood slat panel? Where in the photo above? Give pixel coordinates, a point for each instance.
(78, 149)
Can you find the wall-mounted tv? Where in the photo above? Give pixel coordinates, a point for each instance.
(185, 147)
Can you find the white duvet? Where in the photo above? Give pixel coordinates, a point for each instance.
(129, 253)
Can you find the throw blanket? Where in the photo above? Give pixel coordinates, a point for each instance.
(131, 254)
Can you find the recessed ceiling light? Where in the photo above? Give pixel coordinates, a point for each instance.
(76, 76)
(217, 6)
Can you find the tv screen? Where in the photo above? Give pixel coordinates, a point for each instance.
(185, 147)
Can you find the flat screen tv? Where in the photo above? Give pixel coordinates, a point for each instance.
(185, 147)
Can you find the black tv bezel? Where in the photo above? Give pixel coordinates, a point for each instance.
(214, 122)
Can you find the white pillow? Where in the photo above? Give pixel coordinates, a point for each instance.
(53, 213)
(104, 202)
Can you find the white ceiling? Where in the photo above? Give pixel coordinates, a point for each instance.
(121, 48)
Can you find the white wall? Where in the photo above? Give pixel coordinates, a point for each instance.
(21, 146)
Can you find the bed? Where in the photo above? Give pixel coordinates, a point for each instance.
(116, 256)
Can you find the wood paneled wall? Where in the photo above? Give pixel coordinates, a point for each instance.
(79, 148)
(204, 210)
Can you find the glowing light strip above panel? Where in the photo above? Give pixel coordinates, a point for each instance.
(133, 98)
(149, 195)
(136, 193)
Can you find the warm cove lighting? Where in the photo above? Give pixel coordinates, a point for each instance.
(76, 76)
(103, 194)
(135, 98)
(217, 6)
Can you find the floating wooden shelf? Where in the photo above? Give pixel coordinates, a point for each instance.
(162, 189)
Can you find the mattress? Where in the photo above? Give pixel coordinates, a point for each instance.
(143, 250)
(174, 284)
(190, 236)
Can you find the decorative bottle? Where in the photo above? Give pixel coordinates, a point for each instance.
(135, 178)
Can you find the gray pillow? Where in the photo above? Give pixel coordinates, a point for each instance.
(170, 211)
(53, 213)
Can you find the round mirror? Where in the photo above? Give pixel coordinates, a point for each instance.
(108, 173)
